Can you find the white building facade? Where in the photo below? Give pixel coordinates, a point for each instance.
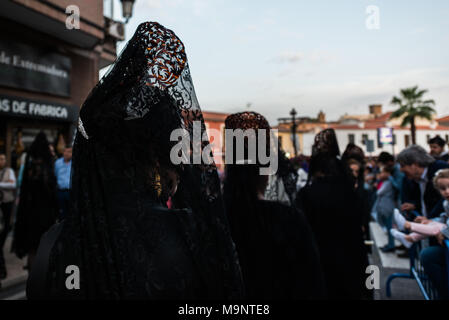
(358, 132)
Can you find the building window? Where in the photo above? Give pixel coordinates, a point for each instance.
(351, 138)
(364, 138)
(407, 140)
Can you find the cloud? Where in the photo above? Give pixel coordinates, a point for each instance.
(335, 97)
(321, 57)
(355, 94)
(288, 57)
(313, 57)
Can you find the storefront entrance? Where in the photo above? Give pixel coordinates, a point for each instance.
(19, 135)
(21, 119)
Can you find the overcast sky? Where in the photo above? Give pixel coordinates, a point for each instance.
(311, 55)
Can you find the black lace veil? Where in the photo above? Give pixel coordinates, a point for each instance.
(37, 209)
(281, 178)
(326, 160)
(326, 143)
(282, 185)
(121, 152)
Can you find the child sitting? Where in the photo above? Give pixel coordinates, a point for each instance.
(385, 204)
(423, 227)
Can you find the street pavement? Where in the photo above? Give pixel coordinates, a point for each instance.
(13, 287)
(389, 263)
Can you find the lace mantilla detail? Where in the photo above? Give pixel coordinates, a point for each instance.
(81, 129)
(167, 70)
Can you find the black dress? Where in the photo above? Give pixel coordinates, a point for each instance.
(37, 210)
(333, 211)
(278, 255)
(155, 259)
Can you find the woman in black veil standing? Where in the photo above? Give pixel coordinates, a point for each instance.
(276, 248)
(329, 203)
(355, 153)
(119, 232)
(37, 210)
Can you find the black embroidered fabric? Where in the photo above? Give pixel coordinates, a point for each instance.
(246, 120)
(120, 233)
(328, 199)
(37, 209)
(285, 174)
(326, 142)
(325, 160)
(277, 252)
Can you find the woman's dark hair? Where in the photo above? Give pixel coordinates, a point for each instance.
(385, 157)
(388, 169)
(353, 152)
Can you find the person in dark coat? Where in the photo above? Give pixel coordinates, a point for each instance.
(38, 207)
(276, 248)
(354, 157)
(420, 168)
(330, 204)
(437, 151)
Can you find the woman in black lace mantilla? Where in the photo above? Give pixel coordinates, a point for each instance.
(120, 233)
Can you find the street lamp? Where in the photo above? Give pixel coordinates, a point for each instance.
(293, 120)
(127, 9)
(293, 113)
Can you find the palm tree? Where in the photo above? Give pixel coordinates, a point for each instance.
(412, 105)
